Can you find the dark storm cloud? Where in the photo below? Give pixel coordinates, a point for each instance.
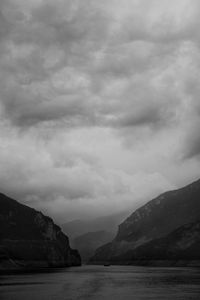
(50, 45)
(4, 26)
(58, 53)
(150, 116)
(25, 111)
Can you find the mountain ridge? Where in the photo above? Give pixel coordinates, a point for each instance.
(155, 219)
(29, 239)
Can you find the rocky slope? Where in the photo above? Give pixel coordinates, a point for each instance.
(28, 239)
(180, 247)
(155, 220)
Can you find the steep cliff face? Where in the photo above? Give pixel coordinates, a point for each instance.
(30, 239)
(154, 220)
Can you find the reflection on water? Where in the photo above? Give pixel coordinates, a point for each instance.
(103, 283)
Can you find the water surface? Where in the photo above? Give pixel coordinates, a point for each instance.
(99, 283)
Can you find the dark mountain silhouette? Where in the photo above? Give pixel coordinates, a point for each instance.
(28, 239)
(157, 219)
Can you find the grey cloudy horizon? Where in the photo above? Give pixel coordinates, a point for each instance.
(99, 102)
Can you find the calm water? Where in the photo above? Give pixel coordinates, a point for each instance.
(99, 282)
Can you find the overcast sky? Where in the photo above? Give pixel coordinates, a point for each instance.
(99, 102)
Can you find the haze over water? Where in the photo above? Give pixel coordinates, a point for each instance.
(99, 282)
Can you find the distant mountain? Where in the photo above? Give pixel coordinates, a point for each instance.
(106, 223)
(28, 239)
(157, 219)
(89, 242)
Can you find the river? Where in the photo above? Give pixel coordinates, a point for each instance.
(103, 283)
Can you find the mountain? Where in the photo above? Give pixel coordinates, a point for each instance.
(28, 239)
(106, 223)
(157, 219)
(89, 242)
(180, 247)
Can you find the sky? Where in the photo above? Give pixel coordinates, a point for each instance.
(99, 102)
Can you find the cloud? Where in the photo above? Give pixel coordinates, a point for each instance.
(43, 175)
(97, 100)
(62, 57)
